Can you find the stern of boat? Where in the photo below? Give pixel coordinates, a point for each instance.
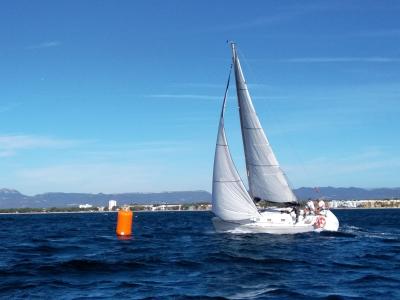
(332, 223)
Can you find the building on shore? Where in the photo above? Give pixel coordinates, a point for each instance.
(85, 205)
(112, 204)
(171, 207)
(167, 207)
(385, 203)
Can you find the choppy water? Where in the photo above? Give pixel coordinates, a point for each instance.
(177, 255)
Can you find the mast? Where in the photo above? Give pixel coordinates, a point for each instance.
(266, 179)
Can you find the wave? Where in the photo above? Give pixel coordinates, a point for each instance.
(351, 265)
(187, 296)
(376, 256)
(84, 265)
(251, 260)
(338, 234)
(375, 279)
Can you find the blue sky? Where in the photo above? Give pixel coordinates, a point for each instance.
(106, 96)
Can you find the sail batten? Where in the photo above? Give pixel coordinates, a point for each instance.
(266, 179)
(264, 165)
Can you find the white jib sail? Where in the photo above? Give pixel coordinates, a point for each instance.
(266, 179)
(230, 199)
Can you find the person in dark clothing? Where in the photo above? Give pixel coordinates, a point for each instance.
(256, 199)
(296, 210)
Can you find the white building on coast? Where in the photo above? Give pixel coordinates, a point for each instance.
(112, 204)
(85, 205)
(392, 203)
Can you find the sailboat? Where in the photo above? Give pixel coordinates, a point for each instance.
(233, 205)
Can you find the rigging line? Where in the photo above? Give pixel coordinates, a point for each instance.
(226, 92)
(248, 67)
(263, 165)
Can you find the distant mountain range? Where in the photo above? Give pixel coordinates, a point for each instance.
(348, 193)
(13, 199)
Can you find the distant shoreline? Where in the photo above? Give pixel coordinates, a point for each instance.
(93, 212)
(363, 208)
(159, 211)
(56, 212)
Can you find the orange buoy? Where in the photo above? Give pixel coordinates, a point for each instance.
(124, 222)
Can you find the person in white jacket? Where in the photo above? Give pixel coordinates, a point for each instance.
(310, 207)
(321, 207)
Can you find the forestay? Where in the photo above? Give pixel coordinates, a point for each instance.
(266, 179)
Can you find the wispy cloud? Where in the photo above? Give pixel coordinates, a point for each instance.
(283, 14)
(257, 22)
(325, 171)
(153, 165)
(11, 144)
(198, 85)
(107, 177)
(219, 86)
(91, 177)
(8, 106)
(395, 32)
(373, 59)
(145, 150)
(47, 44)
(183, 96)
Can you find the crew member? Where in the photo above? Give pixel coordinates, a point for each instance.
(310, 207)
(321, 206)
(295, 212)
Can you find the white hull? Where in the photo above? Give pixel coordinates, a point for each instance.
(274, 221)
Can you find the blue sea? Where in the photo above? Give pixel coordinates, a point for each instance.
(177, 255)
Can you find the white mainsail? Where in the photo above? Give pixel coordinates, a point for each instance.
(266, 179)
(230, 199)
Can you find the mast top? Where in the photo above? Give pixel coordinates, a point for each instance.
(233, 47)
